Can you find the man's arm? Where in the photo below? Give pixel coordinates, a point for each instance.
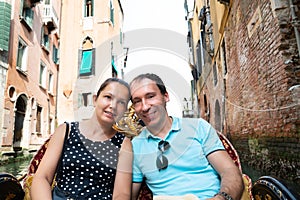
(231, 177)
(135, 190)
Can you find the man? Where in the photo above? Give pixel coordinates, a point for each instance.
(178, 157)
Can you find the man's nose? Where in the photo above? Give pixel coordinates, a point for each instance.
(145, 105)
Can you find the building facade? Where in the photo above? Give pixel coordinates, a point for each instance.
(29, 59)
(246, 63)
(91, 45)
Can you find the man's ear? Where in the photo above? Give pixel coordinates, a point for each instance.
(166, 96)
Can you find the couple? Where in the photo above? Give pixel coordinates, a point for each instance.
(175, 156)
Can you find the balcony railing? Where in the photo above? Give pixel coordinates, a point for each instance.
(50, 16)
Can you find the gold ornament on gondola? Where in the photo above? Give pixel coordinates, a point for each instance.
(129, 124)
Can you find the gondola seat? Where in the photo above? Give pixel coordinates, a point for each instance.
(268, 187)
(10, 187)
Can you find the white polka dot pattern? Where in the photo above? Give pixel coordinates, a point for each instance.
(88, 167)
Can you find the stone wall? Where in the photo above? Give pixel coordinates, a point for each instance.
(278, 157)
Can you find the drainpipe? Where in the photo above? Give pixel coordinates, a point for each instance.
(58, 67)
(295, 23)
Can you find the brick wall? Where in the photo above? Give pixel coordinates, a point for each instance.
(261, 105)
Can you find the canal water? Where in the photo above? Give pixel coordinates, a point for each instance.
(17, 168)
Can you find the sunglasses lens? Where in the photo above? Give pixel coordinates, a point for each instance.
(163, 146)
(161, 162)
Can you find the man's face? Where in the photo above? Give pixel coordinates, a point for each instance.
(149, 103)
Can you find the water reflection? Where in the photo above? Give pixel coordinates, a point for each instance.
(17, 168)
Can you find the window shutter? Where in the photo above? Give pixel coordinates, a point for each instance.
(86, 63)
(5, 25)
(93, 61)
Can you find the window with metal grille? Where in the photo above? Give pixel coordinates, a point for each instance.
(88, 8)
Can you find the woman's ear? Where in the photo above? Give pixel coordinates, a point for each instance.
(94, 100)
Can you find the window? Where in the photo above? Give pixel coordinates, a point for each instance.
(114, 67)
(45, 38)
(26, 14)
(112, 12)
(199, 51)
(22, 56)
(86, 62)
(88, 10)
(87, 58)
(43, 75)
(47, 2)
(215, 73)
(85, 99)
(55, 54)
(38, 119)
(51, 83)
(223, 57)
(50, 122)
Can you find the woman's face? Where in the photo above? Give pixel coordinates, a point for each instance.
(111, 103)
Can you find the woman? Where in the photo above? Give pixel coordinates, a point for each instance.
(97, 159)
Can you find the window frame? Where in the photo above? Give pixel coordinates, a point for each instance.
(26, 14)
(88, 8)
(45, 39)
(21, 63)
(51, 83)
(43, 75)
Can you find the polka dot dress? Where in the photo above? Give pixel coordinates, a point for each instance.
(88, 167)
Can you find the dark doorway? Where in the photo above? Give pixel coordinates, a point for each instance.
(19, 122)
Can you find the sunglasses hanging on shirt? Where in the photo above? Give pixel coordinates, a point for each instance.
(162, 161)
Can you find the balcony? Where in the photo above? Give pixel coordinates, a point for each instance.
(34, 2)
(50, 18)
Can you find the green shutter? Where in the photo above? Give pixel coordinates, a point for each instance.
(114, 67)
(112, 13)
(4, 25)
(86, 62)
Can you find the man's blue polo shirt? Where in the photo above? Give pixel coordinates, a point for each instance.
(188, 172)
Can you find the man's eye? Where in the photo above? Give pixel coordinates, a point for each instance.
(151, 96)
(135, 102)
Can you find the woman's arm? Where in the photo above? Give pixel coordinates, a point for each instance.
(122, 187)
(43, 178)
(231, 177)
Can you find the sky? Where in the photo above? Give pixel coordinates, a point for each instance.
(155, 33)
(166, 14)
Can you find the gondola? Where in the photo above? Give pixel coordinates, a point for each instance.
(265, 188)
